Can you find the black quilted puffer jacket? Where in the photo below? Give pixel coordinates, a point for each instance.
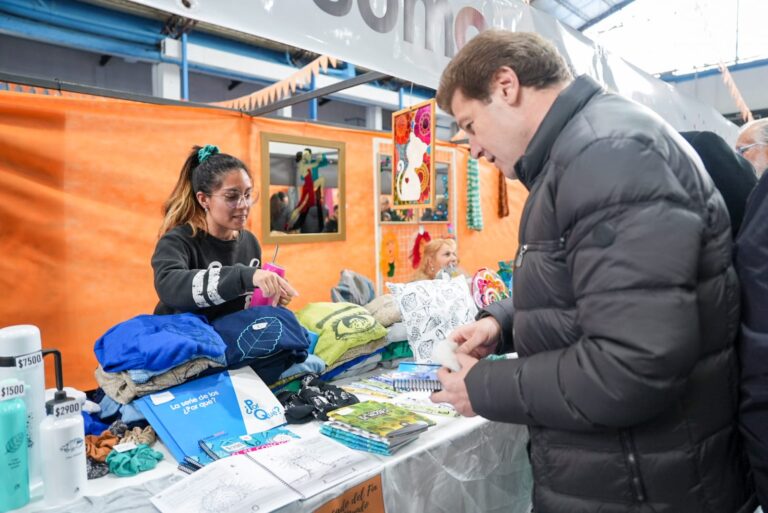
(626, 307)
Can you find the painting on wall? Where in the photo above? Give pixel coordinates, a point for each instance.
(413, 177)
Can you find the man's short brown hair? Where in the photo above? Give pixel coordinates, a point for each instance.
(535, 60)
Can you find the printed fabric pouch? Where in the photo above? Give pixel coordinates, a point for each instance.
(431, 310)
(341, 327)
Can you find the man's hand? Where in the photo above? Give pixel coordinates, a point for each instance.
(478, 339)
(454, 390)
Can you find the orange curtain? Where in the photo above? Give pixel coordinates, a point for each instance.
(82, 181)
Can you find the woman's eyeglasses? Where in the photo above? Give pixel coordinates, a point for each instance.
(233, 199)
(741, 150)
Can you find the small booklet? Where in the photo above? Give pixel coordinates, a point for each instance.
(416, 377)
(222, 445)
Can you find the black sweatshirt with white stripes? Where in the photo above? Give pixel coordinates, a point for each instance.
(203, 274)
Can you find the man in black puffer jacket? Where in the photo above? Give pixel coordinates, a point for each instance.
(626, 304)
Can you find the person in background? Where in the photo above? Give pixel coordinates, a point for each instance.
(626, 303)
(439, 254)
(279, 212)
(732, 174)
(206, 261)
(752, 144)
(332, 224)
(751, 262)
(387, 212)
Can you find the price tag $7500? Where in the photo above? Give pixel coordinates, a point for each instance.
(29, 360)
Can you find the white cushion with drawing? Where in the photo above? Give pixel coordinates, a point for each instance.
(431, 309)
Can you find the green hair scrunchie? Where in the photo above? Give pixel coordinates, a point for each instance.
(206, 151)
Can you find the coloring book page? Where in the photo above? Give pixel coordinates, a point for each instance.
(231, 485)
(313, 465)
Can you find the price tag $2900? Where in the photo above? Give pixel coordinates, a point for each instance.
(66, 409)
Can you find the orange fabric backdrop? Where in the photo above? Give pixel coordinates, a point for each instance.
(82, 182)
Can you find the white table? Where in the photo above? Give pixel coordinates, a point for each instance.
(459, 465)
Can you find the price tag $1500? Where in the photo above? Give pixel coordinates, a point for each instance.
(66, 409)
(11, 391)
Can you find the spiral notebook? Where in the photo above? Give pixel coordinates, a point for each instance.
(416, 377)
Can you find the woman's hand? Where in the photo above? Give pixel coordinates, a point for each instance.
(274, 286)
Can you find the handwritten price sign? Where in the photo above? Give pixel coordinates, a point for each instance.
(366, 497)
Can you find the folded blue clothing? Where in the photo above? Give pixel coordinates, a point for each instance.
(111, 409)
(259, 332)
(333, 373)
(93, 426)
(157, 342)
(140, 376)
(313, 338)
(313, 364)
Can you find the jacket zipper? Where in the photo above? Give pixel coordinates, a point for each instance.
(534, 246)
(524, 216)
(634, 469)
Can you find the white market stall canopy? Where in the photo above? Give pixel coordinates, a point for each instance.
(415, 39)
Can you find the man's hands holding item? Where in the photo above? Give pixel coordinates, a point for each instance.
(478, 339)
(274, 286)
(475, 340)
(454, 390)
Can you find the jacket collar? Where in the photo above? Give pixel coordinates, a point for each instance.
(570, 101)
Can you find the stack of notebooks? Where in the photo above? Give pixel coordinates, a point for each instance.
(409, 386)
(379, 428)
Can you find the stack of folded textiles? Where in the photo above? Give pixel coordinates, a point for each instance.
(380, 428)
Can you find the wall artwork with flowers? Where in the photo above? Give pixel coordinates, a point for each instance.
(413, 177)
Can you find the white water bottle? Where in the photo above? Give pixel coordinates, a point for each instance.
(62, 434)
(21, 359)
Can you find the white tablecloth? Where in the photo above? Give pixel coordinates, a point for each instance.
(459, 465)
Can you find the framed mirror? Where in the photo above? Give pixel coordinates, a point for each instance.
(302, 189)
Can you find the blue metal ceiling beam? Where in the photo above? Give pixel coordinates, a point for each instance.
(25, 28)
(86, 18)
(713, 71)
(613, 10)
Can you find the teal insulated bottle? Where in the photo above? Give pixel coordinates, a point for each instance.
(14, 486)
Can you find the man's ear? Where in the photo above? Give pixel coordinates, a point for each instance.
(505, 79)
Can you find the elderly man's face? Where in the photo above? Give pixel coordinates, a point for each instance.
(754, 150)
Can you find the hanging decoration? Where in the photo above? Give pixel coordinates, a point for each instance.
(422, 237)
(503, 201)
(21, 88)
(474, 209)
(413, 130)
(281, 89)
(746, 114)
(389, 254)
